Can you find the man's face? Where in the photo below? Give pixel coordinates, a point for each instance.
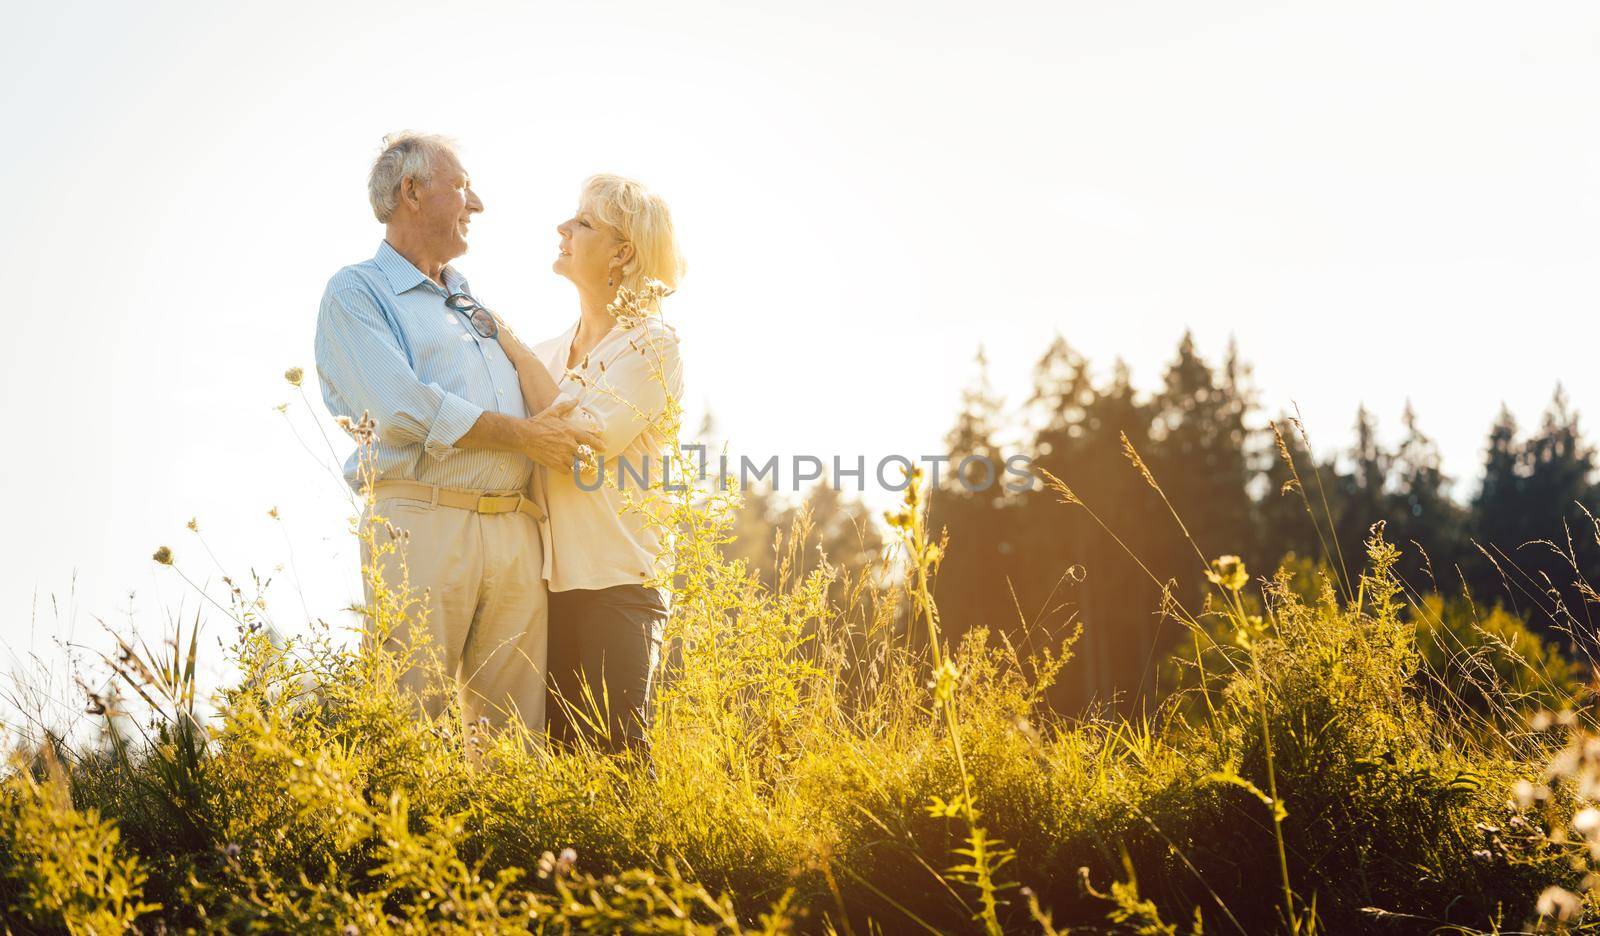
(446, 206)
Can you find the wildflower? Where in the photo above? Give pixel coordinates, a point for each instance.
(294, 376)
(1558, 902)
(350, 929)
(1228, 571)
(232, 849)
(163, 556)
(273, 513)
(1587, 821)
(568, 858)
(193, 525)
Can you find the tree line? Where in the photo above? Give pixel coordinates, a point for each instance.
(1196, 470)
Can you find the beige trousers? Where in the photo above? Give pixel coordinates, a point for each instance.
(487, 607)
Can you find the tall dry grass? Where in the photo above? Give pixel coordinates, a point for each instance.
(1333, 759)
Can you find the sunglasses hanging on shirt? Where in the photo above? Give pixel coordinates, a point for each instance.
(482, 319)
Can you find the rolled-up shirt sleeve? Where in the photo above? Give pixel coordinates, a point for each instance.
(631, 394)
(363, 369)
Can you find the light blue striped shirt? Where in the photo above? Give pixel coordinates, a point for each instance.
(388, 345)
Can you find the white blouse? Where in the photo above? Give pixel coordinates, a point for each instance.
(592, 539)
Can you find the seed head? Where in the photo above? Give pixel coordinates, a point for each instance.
(364, 431)
(1133, 456)
(1060, 487)
(1283, 447)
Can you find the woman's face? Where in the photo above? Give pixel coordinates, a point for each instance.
(588, 251)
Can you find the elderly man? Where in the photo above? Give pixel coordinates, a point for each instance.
(402, 338)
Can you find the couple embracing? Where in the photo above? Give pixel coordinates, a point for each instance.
(540, 584)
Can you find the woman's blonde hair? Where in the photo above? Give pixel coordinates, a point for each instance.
(640, 217)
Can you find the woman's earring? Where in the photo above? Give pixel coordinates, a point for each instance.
(608, 280)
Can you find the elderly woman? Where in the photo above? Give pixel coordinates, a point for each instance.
(605, 620)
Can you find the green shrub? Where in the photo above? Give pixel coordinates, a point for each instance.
(61, 868)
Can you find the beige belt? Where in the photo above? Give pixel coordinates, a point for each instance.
(483, 502)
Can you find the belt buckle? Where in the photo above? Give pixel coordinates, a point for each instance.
(494, 503)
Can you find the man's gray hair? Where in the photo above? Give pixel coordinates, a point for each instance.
(406, 153)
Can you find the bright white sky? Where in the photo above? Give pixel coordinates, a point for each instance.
(1381, 200)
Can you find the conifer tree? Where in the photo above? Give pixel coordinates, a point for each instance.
(1428, 526)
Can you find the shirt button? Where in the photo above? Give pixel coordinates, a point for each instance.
(501, 392)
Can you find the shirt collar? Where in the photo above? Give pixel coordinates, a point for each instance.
(403, 275)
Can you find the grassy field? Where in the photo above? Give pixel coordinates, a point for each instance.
(1345, 757)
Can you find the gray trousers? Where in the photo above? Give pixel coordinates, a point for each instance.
(608, 640)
